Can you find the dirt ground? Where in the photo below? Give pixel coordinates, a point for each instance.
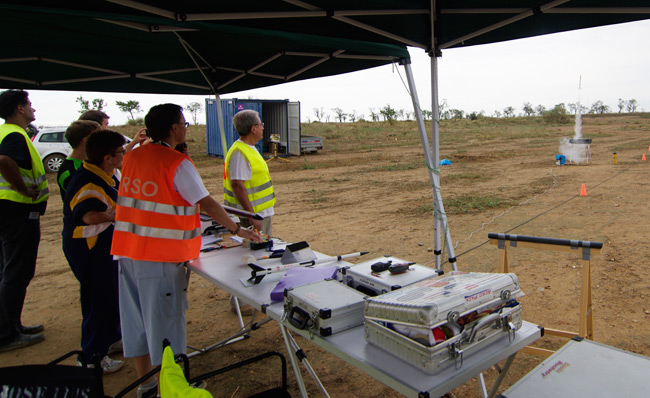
(351, 201)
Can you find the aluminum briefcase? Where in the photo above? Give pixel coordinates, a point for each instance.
(324, 307)
(366, 280)
(434, 323)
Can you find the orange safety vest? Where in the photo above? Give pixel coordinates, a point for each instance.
(152, 221)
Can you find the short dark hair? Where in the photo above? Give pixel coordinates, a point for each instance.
(94, 115)
(10, 100)
(245, 120)
(102, 143)
(161, 118)
(80, 129)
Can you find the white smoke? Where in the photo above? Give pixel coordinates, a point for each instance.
(578, 127)
(576, 153)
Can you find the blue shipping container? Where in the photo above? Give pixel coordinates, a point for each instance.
(275, 114)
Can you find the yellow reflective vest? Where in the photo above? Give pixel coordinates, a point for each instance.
(34, 178)
(259, 188)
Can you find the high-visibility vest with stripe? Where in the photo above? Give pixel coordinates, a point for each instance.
(34, 178)
(259, 188)
(153, 222)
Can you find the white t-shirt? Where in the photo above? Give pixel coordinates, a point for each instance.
(188, 183)
(240, 169)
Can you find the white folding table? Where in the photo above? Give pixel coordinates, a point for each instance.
(225, 268)
(584, 368)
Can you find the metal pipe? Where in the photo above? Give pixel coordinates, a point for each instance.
(433, 177)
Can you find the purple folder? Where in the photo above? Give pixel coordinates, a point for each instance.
(301, 276)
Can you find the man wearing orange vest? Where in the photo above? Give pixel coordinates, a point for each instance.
(157, 230)
(247, 182)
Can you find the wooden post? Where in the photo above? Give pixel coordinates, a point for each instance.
(586, 313)
(503, 258)
(586, 317)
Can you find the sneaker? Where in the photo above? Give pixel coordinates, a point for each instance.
(144, 392)
(108, 365)
(202, 384)
(115, 348)
(21, 341)
(35, 329)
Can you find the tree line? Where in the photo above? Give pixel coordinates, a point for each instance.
(132, 108)
(390, 114)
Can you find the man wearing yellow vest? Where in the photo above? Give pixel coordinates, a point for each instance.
(23, 199)
(157, 230)
(247, 182)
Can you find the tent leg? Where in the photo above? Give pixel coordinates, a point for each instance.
(435, 127)
(434, 178)
(222, 128)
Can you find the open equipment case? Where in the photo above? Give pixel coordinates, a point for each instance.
(445, 317)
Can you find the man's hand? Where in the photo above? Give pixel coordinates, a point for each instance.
(140, 137)
(10, 172)
(250, 235)
(257, 224)
(27, 191)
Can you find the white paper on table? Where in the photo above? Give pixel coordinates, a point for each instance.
(210, 239)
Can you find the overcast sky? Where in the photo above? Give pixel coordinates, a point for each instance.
(613, 61)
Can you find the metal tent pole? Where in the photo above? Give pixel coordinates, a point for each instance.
(435, 127)
(434, 179)
(435, 139)
(222, 128)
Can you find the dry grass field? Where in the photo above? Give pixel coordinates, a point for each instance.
(369, 190)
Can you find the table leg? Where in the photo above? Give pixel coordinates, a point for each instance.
(294, 364)
(502, 374)
(300, 355)
(481, 385)
(241, 334)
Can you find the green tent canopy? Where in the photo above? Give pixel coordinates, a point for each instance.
(198, 47)
(99, 46)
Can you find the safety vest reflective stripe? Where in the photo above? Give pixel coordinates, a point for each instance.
(254, 203)
(42, 193)
(27, 179)
(157, 207)
(252, 190)
(151, 232)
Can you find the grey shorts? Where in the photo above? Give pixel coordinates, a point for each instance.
(153, 300)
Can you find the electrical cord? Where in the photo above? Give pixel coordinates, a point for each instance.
(530, 219)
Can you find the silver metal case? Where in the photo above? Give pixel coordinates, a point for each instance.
(362, 278)
(324, 307)
(437, 302)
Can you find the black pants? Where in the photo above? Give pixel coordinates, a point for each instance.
(97, 274)
(19, 239)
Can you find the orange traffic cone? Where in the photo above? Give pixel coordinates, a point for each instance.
(583, 190)
(643, 157)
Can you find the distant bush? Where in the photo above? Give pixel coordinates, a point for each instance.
(556, 115)
(138, 121)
